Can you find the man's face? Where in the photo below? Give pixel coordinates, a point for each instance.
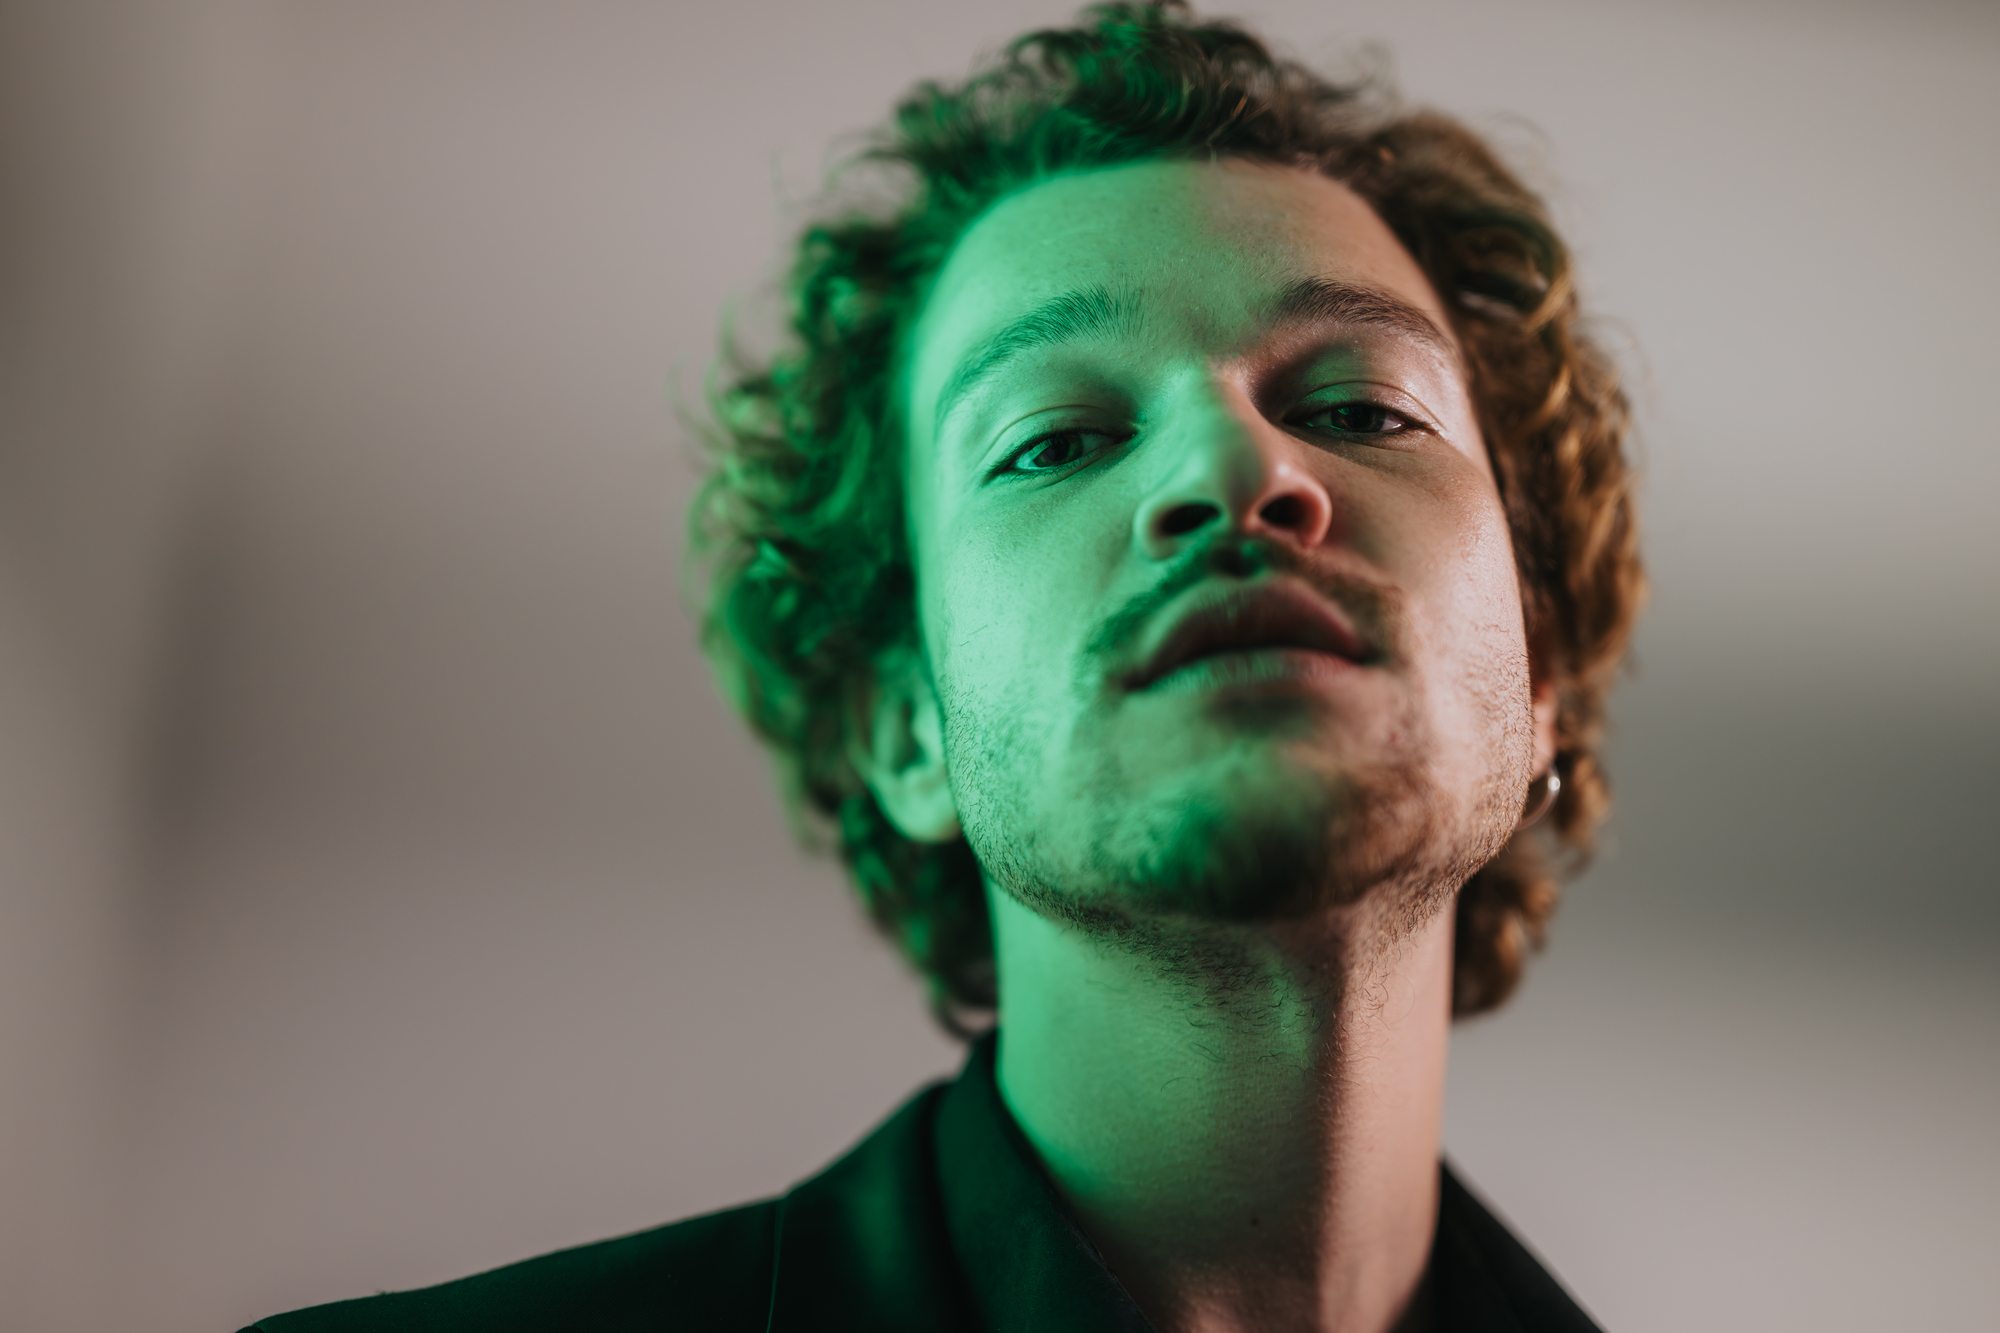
(1213, 578)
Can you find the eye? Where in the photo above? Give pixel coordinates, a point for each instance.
(1359, 418)
(1059, 449)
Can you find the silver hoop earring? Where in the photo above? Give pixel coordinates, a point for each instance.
(1551, 788)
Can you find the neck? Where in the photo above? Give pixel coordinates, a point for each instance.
(1246, 1123)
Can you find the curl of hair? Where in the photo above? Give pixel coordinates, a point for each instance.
(799, 525)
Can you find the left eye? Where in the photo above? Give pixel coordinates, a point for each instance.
(1058, 450)
(1357, 419)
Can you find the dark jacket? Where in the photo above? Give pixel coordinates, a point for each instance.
(942, 1219)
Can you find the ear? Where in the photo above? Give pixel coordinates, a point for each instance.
(898, 748)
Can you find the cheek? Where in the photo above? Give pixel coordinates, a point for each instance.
(1466, 556)
(1490, 688)
(976, 613)
(1017, 583)
(1488, 583)
(1469, 633)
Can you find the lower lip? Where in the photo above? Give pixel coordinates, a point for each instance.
(1262, 668)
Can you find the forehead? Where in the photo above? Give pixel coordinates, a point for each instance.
(1205, 246)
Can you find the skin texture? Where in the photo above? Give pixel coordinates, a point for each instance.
(1221, 866)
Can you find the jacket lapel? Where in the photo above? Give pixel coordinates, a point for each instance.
(863, 1245)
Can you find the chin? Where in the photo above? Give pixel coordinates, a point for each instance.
(1280, 845)
(1263, 829)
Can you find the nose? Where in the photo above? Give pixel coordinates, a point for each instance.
(1232, 473)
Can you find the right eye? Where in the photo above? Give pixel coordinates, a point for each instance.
(1059, 449)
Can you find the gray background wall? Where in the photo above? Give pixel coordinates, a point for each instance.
(384, 894)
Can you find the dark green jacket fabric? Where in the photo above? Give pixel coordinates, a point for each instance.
(942, 1219)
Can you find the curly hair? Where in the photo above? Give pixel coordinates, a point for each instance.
(799, 524)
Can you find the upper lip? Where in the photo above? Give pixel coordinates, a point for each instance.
(1282, 613)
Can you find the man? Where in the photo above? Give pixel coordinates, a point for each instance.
(1185, 552)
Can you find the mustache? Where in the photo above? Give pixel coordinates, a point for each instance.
(1244, 558)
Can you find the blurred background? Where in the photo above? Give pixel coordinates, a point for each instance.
(385, 894)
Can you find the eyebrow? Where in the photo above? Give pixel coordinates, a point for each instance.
(1095, 311)
(1323, 300)
(1088, 312)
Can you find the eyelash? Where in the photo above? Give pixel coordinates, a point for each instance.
(1035, 446)
(1406, 423)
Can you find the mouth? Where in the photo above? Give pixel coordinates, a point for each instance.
(1270, 625)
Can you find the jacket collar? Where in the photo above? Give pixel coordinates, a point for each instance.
(940, 1219)
(944, 1219)
(863, 1247)
(1025, 1261)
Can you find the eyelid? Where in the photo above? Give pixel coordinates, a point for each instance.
(1373, 394)
(1013, 454)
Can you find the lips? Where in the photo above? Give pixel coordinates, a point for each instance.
(1279, 615)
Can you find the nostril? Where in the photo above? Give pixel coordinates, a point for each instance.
(1185, 518)
(1286, 512)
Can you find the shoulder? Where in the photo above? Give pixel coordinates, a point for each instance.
(710, 1272)
(1484, 1270)
(857, 1238)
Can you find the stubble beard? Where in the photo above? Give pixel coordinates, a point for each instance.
(1362, 853)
